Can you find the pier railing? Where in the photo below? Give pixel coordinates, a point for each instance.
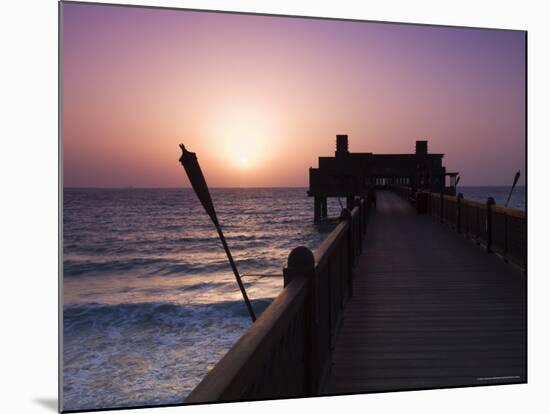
(287, 351)
(499, 229)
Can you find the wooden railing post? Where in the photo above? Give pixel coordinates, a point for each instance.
(489, 223)
(441, 207)
(459, 199)
(301, 263)
(366, 212)
(368, 206)
(359, 227)
(363, 215)
(505, 252)
(345, 215)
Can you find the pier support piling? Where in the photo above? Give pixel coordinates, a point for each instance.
(324, 207)
(316, 209)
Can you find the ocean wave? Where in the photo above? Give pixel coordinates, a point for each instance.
(79, 317)
(206, 262)
(147, 353)
(72, 268)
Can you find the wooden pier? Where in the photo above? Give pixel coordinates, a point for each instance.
(391, 300)
(429, 310)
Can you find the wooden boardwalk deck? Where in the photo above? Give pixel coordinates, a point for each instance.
(429, 309)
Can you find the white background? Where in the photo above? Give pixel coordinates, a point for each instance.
(28, 203)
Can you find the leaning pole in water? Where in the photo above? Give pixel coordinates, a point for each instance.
(193, 170)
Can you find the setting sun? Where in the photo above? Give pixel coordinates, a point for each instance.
(243, 161)
(244, 135)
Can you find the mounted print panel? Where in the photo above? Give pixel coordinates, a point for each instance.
(261, 207)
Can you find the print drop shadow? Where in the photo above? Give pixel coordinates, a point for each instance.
(49, 403)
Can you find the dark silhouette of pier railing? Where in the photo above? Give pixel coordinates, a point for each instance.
(499, 229)
(287, 351)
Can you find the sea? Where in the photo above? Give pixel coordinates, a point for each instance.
(517, 201)
(150, 303)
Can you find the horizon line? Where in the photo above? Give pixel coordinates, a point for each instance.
(130, 187)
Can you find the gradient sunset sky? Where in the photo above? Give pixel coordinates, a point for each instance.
(259, 98)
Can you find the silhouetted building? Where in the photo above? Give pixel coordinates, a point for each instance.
(353, 174)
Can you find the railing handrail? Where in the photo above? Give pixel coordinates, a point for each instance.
(447, 196)
(496, 207)
(473, 203)
(509, 211)
(499, 229)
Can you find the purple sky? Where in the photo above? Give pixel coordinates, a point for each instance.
(259, 98)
